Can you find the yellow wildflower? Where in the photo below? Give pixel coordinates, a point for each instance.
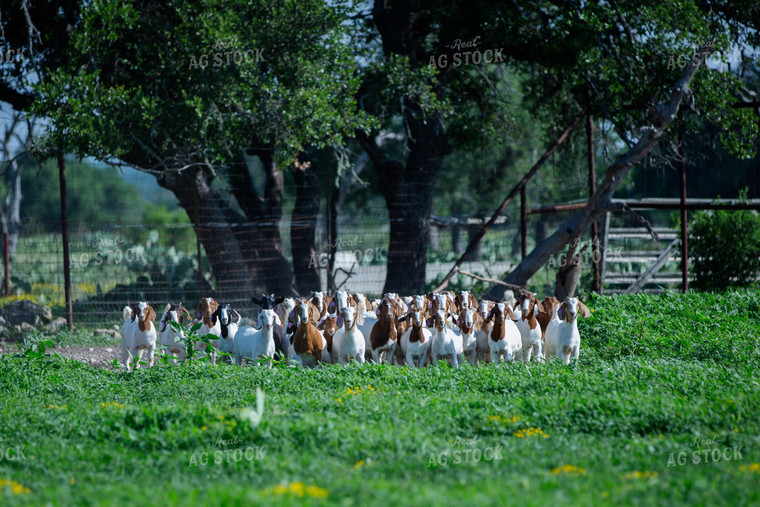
(568, 469)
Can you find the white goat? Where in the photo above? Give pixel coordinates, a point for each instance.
(348, 341)
(562, 336)
(251, 343)
(445, 342)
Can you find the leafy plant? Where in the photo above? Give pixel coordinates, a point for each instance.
(725, 248)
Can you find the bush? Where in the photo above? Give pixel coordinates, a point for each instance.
(724, 247)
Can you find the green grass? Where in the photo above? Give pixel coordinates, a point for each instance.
(599, 432)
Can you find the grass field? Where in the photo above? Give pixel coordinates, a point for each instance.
(661, 409)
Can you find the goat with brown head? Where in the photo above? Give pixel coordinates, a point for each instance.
(309, 346)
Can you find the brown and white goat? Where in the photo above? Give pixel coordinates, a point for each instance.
(504, 337)
(309, 346)
(204, 311)
(138, 333)
(562, 336)
(530, 330)
(384, 335)
(171, 339)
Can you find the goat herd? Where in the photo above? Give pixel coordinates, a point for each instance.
(418, 330)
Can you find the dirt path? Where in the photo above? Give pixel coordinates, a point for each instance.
(97, 356)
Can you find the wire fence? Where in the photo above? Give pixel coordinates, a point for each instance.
(114, 263)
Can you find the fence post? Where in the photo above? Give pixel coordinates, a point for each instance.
(7, 264)
(605, 242)
(684, 235)
(65, 239)
(596, 284)
(523, 223)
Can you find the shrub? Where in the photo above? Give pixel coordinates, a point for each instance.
(724, 247)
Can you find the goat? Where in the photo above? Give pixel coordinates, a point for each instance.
(341, 301)
(203, 312)
(329, 326)
(138, 333)
(530, 331)
(465, 300)
(251, 343)
(362, 303)
(483, 332)
(267, 302)
(321, 302)
(384, 334)
(543, 317)
(443, 301)
(309, 346)
(229, 321)
(415, 342)
(445, 342)
(171, 339)
(466, 323)
(283, 338)
(505, 337)
(562, 336)
(348, 341)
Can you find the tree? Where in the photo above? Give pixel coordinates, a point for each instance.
(192, 94)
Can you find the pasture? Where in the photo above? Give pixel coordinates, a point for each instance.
(661, 409)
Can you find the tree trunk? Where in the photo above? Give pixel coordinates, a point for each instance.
(303, 225)
(569, 272)
(408, 193)
(243, 257)
(601, 202)
(10, 215)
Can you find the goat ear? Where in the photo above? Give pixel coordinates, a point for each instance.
(277, 320)
(332, 306)
(584, 311)
(377, 311)
(511, 315)
(561, 311)
(152, 313)
(538, 307)
(429, 322)
(279, 300)
(235, 316)
(359, 318)
(258, 320)
(339, 321)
